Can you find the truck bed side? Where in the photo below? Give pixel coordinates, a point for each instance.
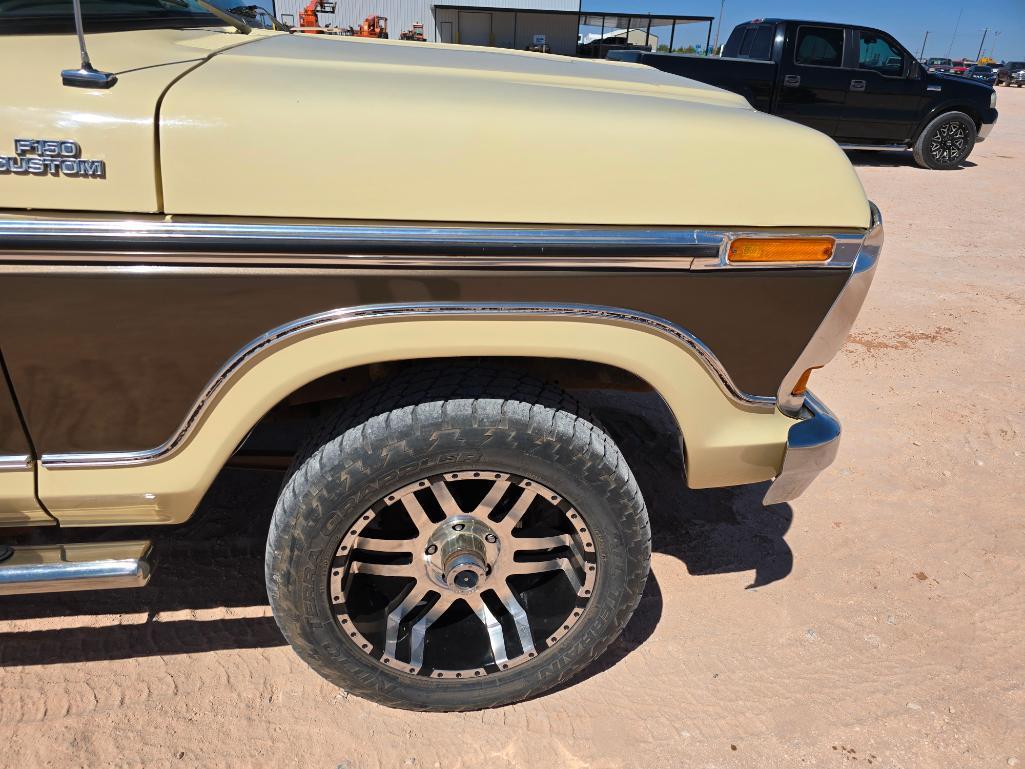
(752, 79)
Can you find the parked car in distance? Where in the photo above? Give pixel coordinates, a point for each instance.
(257, 17)
(456, 528)
(856, 84)
(938, 64)
(982, 73)
(1006, 72)
(960, 66)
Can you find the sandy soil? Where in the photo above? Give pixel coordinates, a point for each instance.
(878, 620)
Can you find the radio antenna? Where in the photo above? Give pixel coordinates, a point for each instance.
(85, 76)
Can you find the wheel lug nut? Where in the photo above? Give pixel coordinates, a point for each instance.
(459, 527)
(431, 549)
(491, 539)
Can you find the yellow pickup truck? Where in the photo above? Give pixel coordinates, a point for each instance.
(180, 270)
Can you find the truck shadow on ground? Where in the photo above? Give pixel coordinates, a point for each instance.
(893, 159)
(207, 592)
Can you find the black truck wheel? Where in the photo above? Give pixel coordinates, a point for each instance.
(458, 540)
(945, 142)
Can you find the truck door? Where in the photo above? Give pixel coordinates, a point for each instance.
(812, 83)
(885, 91)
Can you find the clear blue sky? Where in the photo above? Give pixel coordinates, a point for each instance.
(907, 20)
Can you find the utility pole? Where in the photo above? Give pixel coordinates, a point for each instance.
(993, 48)
(921, 54)
(718, 24)
(979, 54)
(952, 37)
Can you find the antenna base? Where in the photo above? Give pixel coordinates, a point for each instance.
(87, 77)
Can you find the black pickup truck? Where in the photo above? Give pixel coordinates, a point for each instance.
(857, 84)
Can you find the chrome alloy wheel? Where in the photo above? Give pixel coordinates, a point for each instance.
(949, 143)
(463, 575)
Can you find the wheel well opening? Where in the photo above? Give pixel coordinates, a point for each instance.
(965, 108)
(629, 408)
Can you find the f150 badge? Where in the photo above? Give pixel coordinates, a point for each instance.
(50, 157)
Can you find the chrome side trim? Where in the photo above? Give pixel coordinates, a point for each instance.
(874, 147)
(15, 462)
(372, 314)
(60, 568)
(110, 232)
(363, 261)
(812, 444)
(832, 332)
(156, 241)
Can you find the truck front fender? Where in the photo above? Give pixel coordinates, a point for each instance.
(730, 438)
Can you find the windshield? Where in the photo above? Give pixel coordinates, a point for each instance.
(21, 16)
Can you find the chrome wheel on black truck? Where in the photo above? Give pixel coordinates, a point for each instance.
(464, 541)
(945, 142)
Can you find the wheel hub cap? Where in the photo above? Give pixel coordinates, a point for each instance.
(460, 552)
(463, 575)
(949, 142)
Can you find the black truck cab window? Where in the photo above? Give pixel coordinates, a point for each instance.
(878, 54)
(819, 47)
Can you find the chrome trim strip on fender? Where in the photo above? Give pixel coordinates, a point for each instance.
(156, 241)
(680, 262)
(60, 568)
(836, 325)
(812, 444)
(371, 314)
(15, 462)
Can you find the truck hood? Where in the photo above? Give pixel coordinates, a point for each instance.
(345, 128)
(959, 84)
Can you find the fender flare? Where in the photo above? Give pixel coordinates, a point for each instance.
(952, 105)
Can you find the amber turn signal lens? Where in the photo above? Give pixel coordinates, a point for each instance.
(781, 250)
(802, 384)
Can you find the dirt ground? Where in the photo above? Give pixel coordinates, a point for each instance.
(878, 620)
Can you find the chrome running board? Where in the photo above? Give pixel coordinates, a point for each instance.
(85, 566)
(874, 147)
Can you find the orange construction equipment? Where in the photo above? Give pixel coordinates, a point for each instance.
(308, 16)
(372, 26)
(416, 33)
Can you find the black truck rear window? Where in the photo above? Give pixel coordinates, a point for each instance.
(750, 41)
(819, 46)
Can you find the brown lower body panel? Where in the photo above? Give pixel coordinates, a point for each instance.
(112, 358)
(12, 437)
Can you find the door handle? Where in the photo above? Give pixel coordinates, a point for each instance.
(791, 81)
(857, 85)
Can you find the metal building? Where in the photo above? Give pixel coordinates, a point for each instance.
(518, 24)
(457, 21)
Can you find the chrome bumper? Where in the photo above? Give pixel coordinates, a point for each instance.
(984, 131)
(811, 448)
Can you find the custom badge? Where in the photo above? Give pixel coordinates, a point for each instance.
(51, 157)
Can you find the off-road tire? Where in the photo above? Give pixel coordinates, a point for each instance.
(923, 153)
(438, 420)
